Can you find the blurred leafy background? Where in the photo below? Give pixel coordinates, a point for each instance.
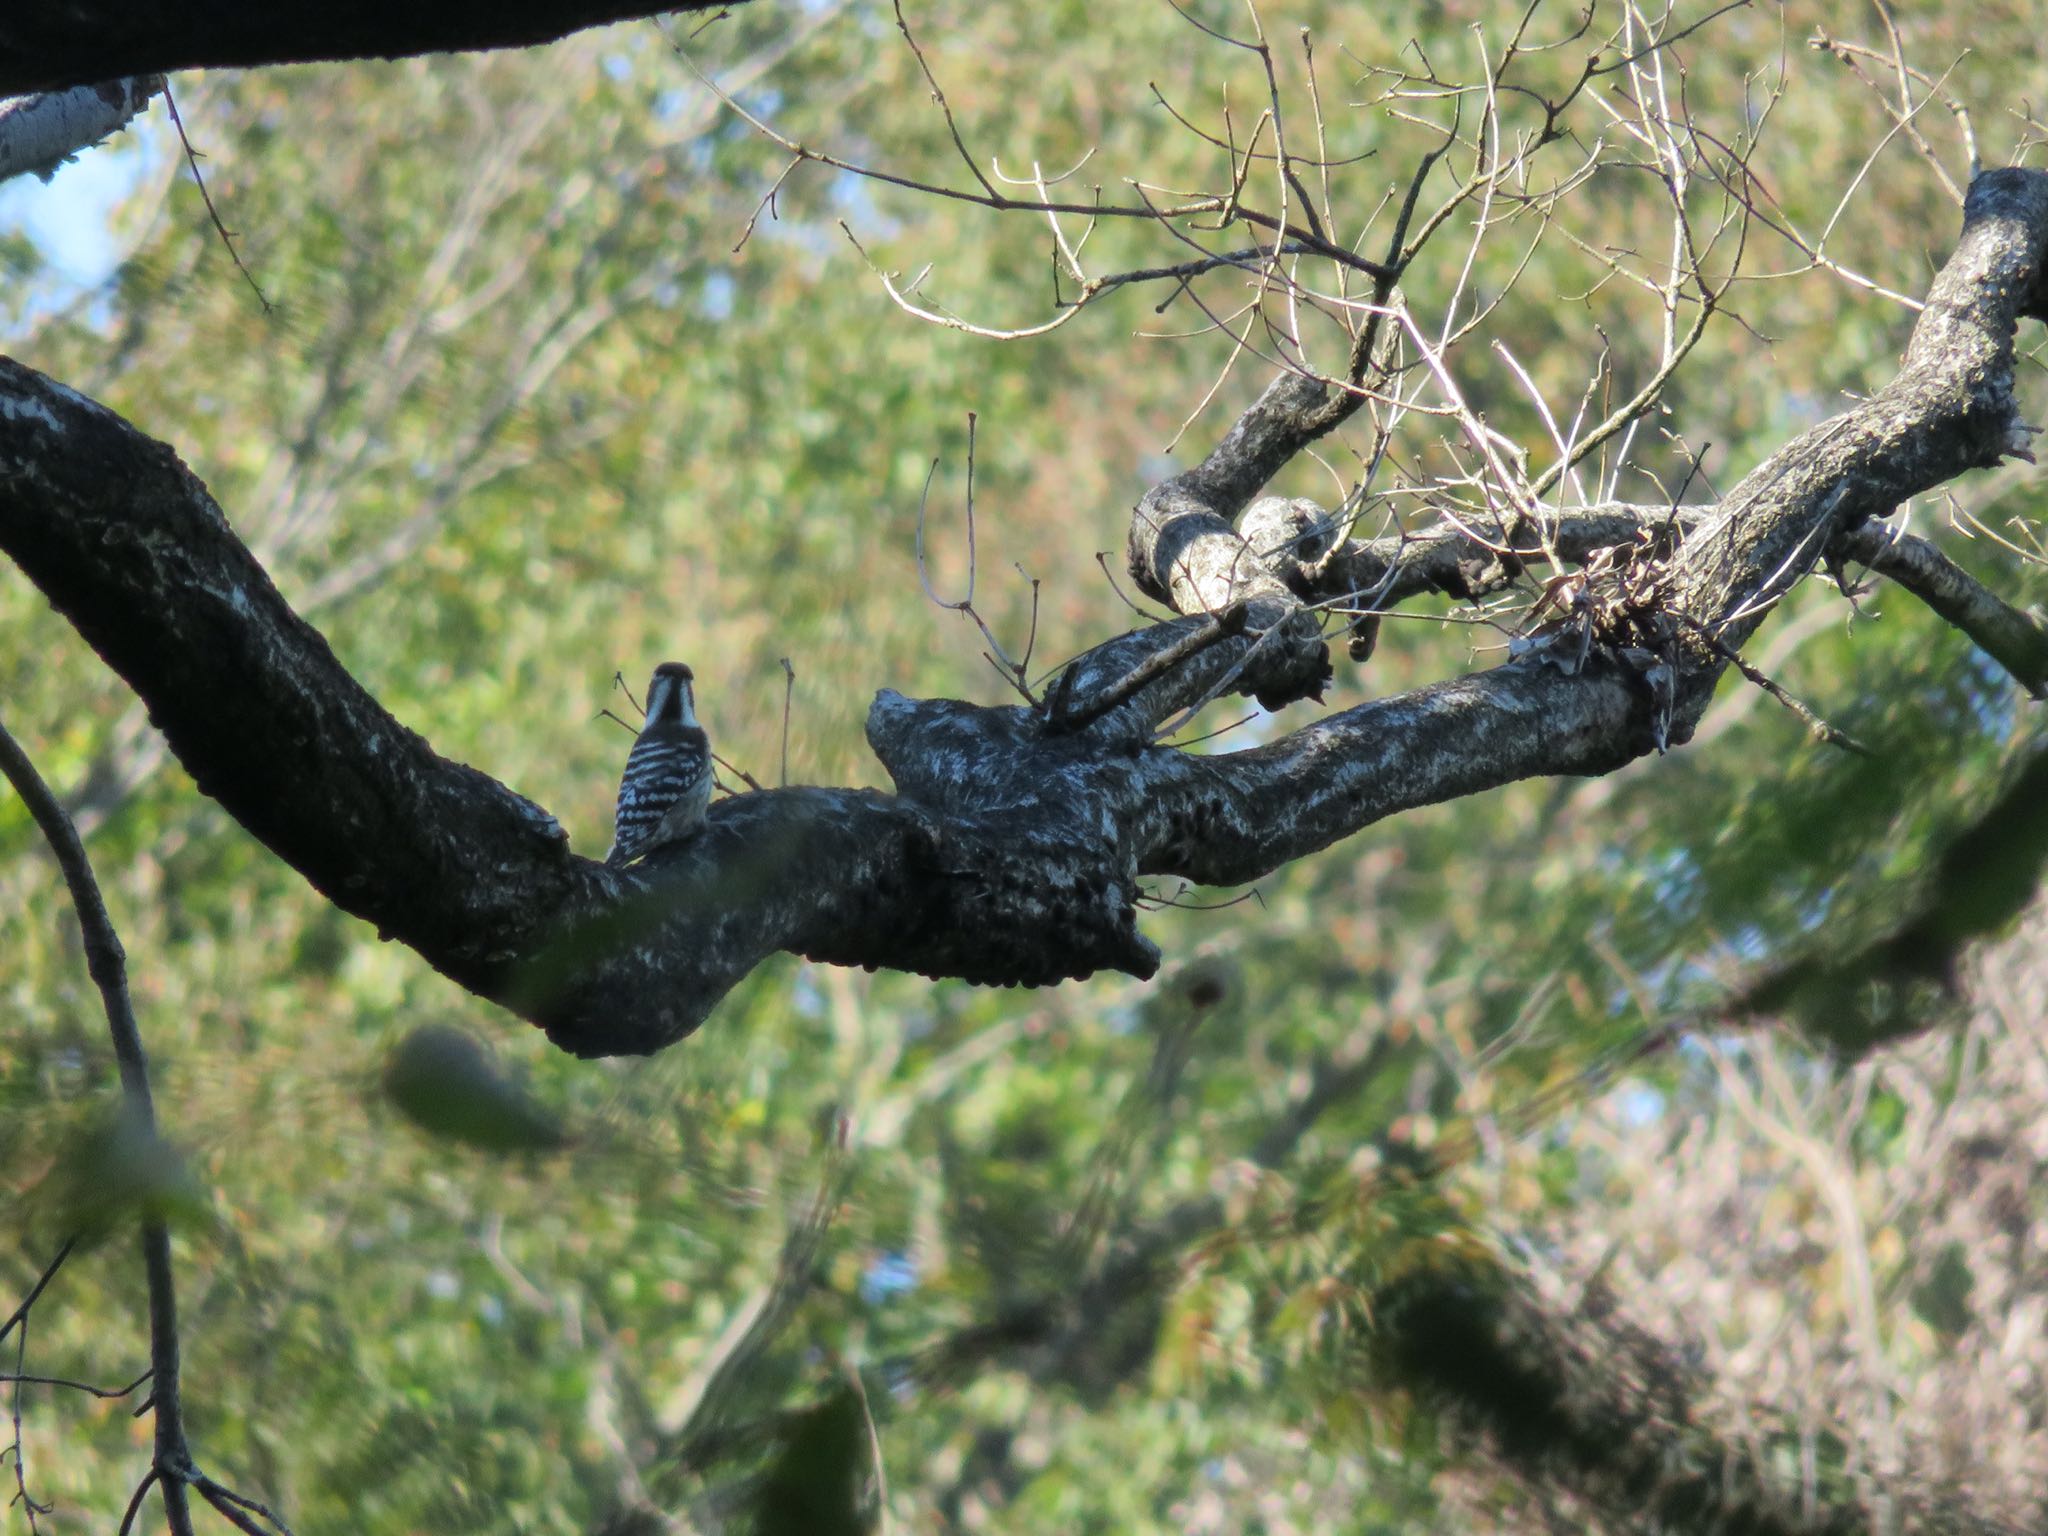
(521, 416)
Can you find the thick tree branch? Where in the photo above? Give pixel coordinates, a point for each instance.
(39, 133)
(1013, 848)
(2016, 641)
(1186, 551)
(1227, 819)
(1453, 559)
(51, 47)
(1458, 559)
(1105, 690)
(1579, 1400)
(1950, 408)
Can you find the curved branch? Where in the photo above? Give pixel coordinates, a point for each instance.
(1186, 551)
(2016, 641)
(126, 542)
(1012, 850)
(1952, 407)
(1578, 1399)
(1227, 819)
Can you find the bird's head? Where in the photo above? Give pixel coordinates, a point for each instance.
(670, 695)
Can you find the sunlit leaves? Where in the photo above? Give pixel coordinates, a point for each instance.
(116, 1172)
(716, 455)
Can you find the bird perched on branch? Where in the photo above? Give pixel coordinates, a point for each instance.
(667, 783)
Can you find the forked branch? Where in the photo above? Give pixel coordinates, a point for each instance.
(1013, 847)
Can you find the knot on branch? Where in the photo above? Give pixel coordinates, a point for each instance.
(1288, 662)
(1011, 900)
(1030, 879)
(1293, 538)
(1195, 545)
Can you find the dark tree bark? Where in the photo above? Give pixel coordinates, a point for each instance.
(47, 47)
(1578, 1401)
(1012, 850)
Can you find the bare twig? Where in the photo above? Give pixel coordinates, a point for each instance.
(171, 1465)
(226, 238)
(1820, 729)
(1013, 672)
(788, 693)
(20, 1313)
(18, 1320)
(1002, 202)
(741, 774)
(107, 966)
(231, 1507)
(766, 205)
(106, 1393)
(939, 96)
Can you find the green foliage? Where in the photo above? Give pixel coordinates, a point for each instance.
(446, 1082)
(524, 417)
(115, 1173)
(814, 1481)
(1943, 1299)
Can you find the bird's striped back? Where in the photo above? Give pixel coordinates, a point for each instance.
(665, 789)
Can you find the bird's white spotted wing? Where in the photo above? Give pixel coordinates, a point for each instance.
(664, 792)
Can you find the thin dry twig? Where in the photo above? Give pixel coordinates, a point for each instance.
(1012, 672)
(226, 238)
(788, 693)
(1817, 727)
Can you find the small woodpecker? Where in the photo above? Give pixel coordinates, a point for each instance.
(667, 783)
